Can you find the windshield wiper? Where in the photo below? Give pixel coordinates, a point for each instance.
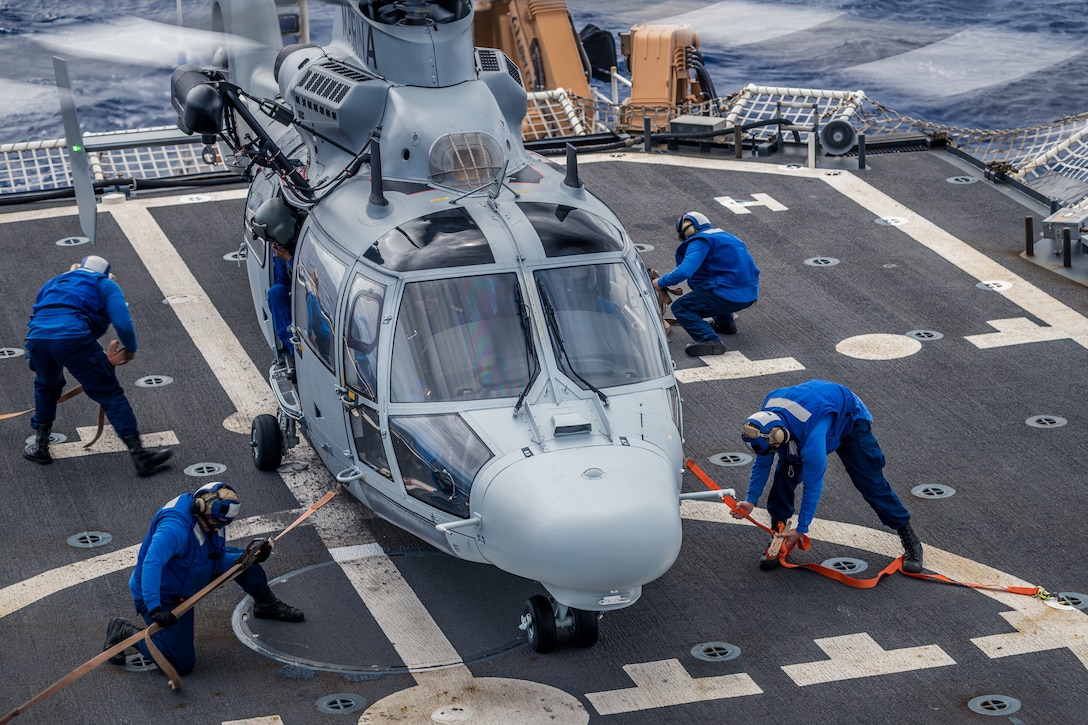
(553, 326)
(530, 349)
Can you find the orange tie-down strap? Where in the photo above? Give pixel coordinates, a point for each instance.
(895, 566)
(172, 676)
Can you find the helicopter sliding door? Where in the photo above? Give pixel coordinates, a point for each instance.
(258, 255)
(362, 335)
(319, 274)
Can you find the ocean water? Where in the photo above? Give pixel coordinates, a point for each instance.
(979, 64)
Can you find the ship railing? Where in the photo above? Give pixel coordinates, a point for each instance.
(1049, 159)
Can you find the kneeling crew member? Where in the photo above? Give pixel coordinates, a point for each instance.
(803, 424)
(184, 550)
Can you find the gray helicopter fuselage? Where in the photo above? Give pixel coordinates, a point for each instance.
(477, 351)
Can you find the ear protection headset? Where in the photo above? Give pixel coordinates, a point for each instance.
(689, 224)
(764, 432)
(216, 501)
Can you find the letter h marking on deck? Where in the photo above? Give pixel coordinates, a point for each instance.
(742, 207)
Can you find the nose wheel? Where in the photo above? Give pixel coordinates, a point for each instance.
(543, 619)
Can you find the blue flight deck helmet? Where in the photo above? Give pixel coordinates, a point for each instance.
(94, 263)
(764, 432)
(690, 223)
(216, 503)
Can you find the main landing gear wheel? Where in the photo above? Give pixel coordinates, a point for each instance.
(266, 440)
(584, 629)
(538, 621)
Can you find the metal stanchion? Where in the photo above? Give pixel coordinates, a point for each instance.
(1029, 236)
(1067, 249)
(861, 151)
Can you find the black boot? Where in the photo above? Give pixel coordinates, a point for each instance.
(38, 451)
(912, 550)
(146, 460)
(118, 630)
(270, 607)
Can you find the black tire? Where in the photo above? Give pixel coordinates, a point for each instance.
(266, 440)
(541, 629)
(584, 631)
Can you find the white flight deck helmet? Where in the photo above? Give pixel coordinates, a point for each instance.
(690, 223)
(94, 263)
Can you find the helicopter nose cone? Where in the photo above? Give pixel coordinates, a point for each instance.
(585, 522)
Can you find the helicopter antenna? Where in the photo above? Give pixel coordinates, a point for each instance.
(377, 190)
(572, 179)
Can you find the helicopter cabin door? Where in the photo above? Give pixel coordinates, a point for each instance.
(258, 254)
(362, 335)
(319, 272)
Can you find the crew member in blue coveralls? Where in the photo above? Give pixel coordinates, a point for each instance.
(803, 424)
(70, 313)
(184, 550)
(723, 278)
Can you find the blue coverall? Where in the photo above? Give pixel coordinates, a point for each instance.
(822, 418)
(177, 559)
(70, 313)
(723, 278)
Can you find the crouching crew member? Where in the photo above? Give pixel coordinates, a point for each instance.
(184, 550)
(803, 424)
(723, 278)
(70, 313)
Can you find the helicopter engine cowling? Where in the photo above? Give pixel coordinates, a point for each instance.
(591, 523)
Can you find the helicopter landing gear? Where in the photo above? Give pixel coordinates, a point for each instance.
(543, 618)
(266, 440)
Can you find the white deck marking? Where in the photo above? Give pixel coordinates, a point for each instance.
(878, 346)
(734, 365)
(743, 207)
(667, 683)
(108, 443)
(858, 655)
(268, 720)
(1015, 331)
(1036, 632)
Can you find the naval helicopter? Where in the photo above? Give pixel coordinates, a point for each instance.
(473, 347)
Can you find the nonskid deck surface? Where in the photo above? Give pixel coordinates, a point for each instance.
(906, 286)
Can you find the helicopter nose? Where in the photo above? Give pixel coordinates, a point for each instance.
(585, 521)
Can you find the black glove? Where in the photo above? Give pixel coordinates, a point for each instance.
(163, 617)
(263, 552)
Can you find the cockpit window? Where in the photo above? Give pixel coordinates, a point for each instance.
(565, 230)
(314, 298)
(361, 338)
(448, 238)
(460, 339)
(604, 332)
(438, 456)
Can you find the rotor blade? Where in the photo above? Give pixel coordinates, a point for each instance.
(145, 43)
(77, 154)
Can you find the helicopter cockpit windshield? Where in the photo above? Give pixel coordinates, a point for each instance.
(460, 339)
(606, 336)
